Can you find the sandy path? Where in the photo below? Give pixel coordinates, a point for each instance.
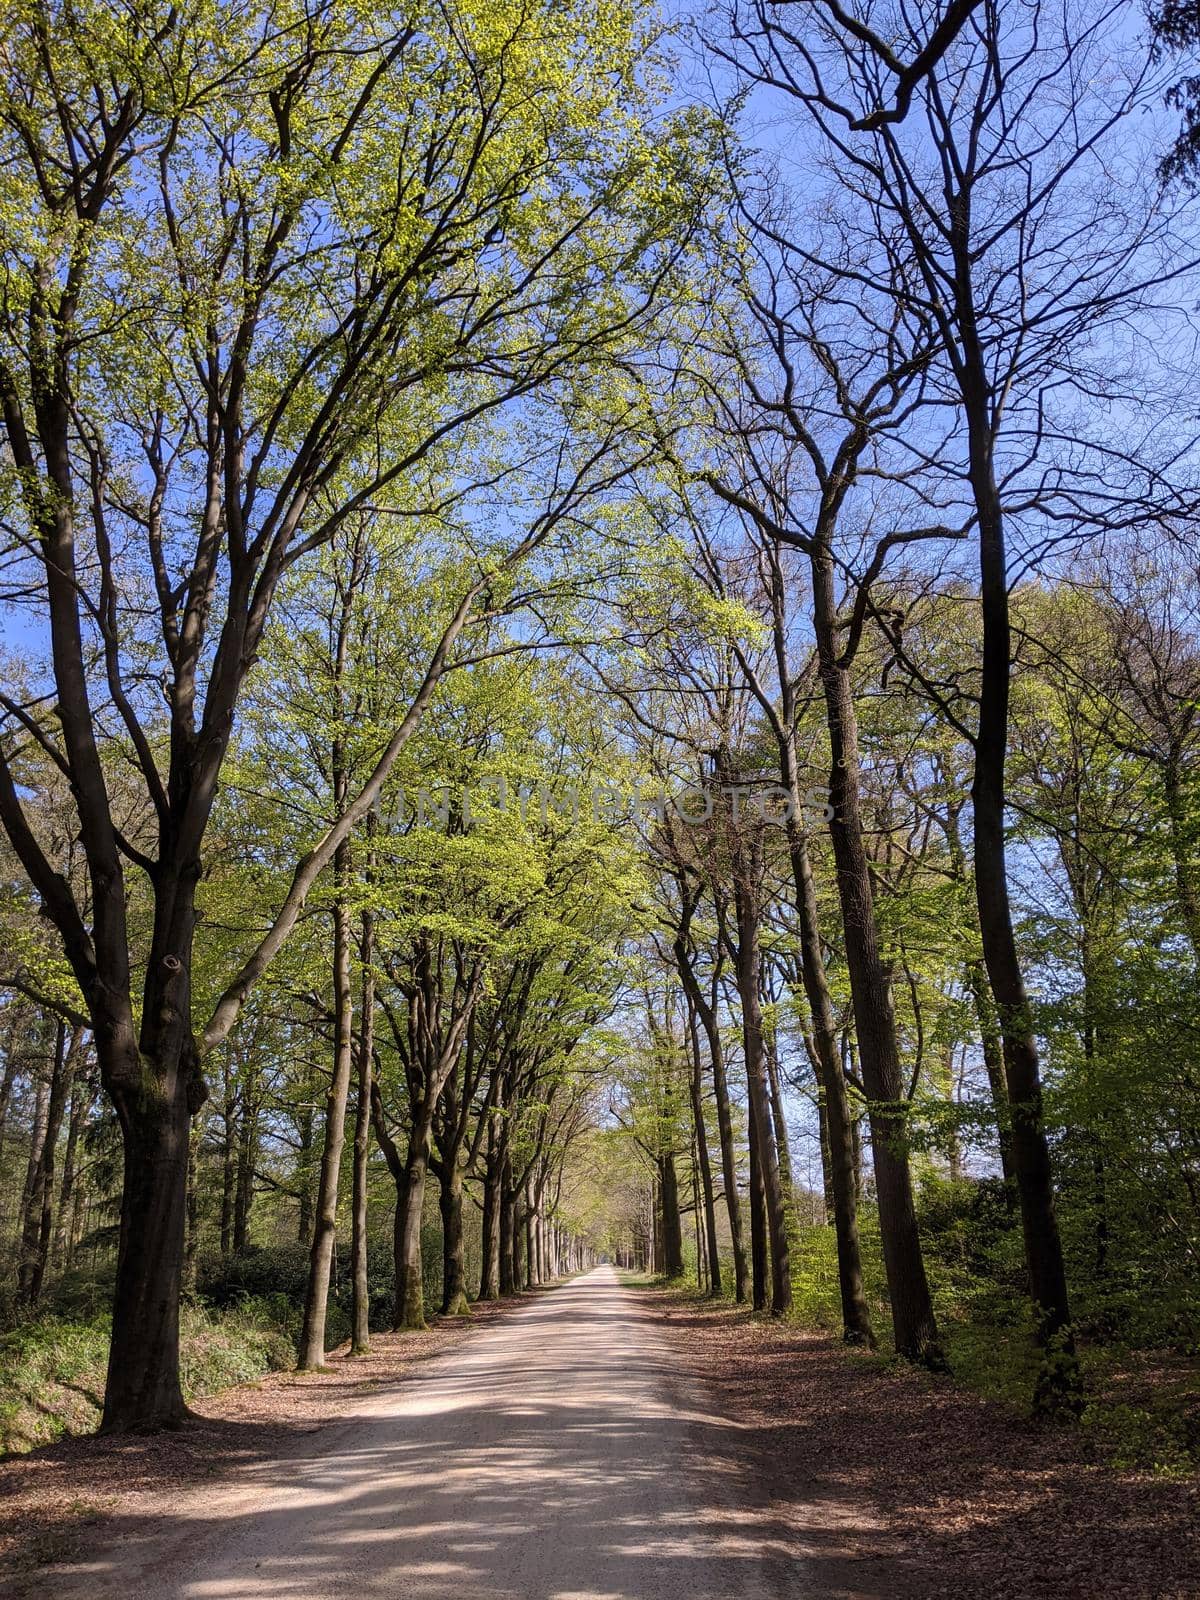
(555, 1456)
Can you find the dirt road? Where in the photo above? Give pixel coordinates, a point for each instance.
(557, 1455)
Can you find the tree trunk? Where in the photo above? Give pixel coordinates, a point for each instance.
(228, 1157)
(191, 1243)
(454, 1266)
(758, 1225)
(672, 1228)
(778, 1120)
(530, 1244)
(1058, 1384)
(410, 1267)
(698, 1221)
(993, 1064)
(64, 1067)
(954, 1151)
(716, 1051)
(1093, 1047)
(243, 1202)
(6, 1087)
(749, 975)
(360, 1317)
(913, 1320)
(837, 1130)
(489, 1269)
(142, 1388)
(29, 1219)
(826, 1162)
(508, 1229)
(316, 1300)
(518, 1242)
(702, 1158)
(543, 1238)
(64, 1241)
(985, 1018)
(304, 1218)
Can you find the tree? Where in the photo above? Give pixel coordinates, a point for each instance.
(999, 171)
(816, 411)
(225, 336)
(746, 848)
(782, 710)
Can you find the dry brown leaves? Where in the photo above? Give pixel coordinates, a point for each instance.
(894, 1483)
(889, 1483)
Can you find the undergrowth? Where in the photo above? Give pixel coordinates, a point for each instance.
(1142, 1397)
(52, 1369)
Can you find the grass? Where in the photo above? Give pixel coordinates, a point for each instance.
(52, 1370)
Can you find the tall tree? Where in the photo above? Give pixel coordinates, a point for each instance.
(277, 320)
(991, 189)
(820, 399)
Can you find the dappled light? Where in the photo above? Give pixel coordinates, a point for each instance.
(553, 1458)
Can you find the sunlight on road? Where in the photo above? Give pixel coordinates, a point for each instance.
(551, 1458)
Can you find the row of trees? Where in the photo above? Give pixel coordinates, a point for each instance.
(1101, 923)
(274, 277)
(941, 361)
(439, 996)
(413, 417)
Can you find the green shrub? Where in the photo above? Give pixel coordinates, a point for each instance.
(973, 1250)
(816, 1296)
(51, 1380)
(52, 1370)
(816, 1299)
(260, 1270)
(1161, 1436)
(218, 1351)
(278, 1274)
(82, 1294)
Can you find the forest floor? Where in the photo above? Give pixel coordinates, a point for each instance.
(927, 1489)
(598, 1441)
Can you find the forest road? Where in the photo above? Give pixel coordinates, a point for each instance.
(564, 1453)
